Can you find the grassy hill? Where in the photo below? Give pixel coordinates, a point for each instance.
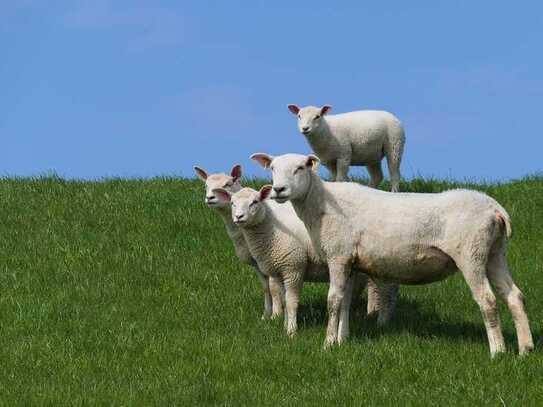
(128, 292)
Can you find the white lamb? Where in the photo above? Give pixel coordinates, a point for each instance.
(361, 138)
(278, 241)
(407, 238)
(272, 288)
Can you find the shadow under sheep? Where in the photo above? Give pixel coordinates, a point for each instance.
(408, 317)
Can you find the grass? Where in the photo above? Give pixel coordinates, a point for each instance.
(127, 292)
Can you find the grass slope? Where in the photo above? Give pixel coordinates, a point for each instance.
(128, 292)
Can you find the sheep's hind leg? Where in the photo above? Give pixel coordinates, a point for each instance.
(277, 295)
(264, 281)
(342, 167)
(394, 159)
(501, 280)
(475, 276)
(343, 328)
(376, 174)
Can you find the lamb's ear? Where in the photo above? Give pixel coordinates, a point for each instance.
(202, 174)
(263, 159)
(325, 109)
(265, 192)
(312, 162)
(294, 109)
(222, 195)
(236, 172)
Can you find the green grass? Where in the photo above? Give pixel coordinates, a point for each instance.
(128, 292)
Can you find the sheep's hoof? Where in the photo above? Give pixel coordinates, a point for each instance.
(329, 343)
(276, 315)
(265, 316)
(291, 333)
(525, 350)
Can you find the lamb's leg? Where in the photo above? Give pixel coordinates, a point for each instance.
(501, 280)
(343, 329)
(276, 291)
(342, 168)
(292, 297)
(376, 174)
(388, 294)
(475, 276)
(373, 297)
(339, 274)
(264, 281)
(333, 170)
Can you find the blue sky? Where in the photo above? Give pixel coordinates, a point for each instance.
(135, 88)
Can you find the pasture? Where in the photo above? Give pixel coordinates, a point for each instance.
(128, 292)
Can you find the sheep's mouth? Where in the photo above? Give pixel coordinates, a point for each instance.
(240, 222)
(306, 132)
(280, 198)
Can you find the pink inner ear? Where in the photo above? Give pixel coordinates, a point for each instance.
(325, 109)
(294, 109)
(222, 195)
(263, 159)
(236, 172)
(265, 192)
(201, 173)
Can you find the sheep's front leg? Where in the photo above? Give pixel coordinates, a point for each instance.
(277, 295)
(264, 281)
(292, 299)
(339, 275)
(343, 330)
(342, 168)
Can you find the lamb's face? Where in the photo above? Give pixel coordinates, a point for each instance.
(230, 183)
(309, 117)
(248, 206)
(291, 176)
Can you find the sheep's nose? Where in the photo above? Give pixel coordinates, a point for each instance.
(210, 198)
(305, 129)
(278, 190)
(239, 217)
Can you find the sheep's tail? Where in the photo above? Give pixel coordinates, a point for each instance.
(503, 216)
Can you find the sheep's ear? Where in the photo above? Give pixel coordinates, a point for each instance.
(312, 162)
(294, 109)
(265, 192)
(236, 172)
(325, 109)
(202, 174)
(263, 159)
(222, 195)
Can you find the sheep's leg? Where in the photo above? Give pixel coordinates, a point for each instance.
(501, 280)
(292, 297)
(388, 294)
(343, 328)
(394, 159)
(264, 281)
(376, 174)
(276, 291)
(475, 276)
(342, 168)
(333, 170)
(373, 297)
(339, 274)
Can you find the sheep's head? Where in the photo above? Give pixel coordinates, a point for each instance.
(247, 205)
(291, 174)
(309, 117)
(229, 183)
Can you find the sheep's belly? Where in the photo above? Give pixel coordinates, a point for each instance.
(425, 266)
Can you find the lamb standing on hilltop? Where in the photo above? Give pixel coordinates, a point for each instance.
(279, 242)
(407, 238)
(363, 137)
(272, 288)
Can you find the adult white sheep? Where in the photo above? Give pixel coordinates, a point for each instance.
(362, 137)
(408, 238)
(272, 288)
(278, 240)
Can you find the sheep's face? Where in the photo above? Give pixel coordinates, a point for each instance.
(309, 117)
(291, 174)
(230, 183)
(248, 206)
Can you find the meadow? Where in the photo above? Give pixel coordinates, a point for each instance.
(128, 292)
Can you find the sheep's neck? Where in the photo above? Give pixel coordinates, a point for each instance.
(310, 207)
(320, 137)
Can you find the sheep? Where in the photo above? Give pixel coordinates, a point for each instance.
(272, 287)
(278, 241)
(406, 238)
(362, 137)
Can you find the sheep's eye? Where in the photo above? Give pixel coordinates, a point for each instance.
(298, 169)
(253, 203)
(299, 117)
(227, 185)
(317, 116)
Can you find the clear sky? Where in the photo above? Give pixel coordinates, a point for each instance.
(142, 88)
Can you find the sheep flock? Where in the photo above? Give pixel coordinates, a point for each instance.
(303, 229)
